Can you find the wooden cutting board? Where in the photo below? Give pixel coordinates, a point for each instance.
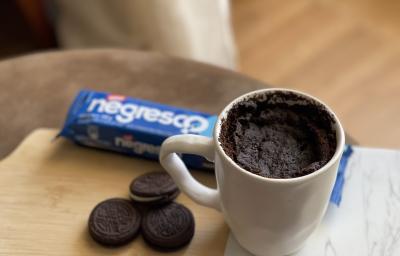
(49, 187)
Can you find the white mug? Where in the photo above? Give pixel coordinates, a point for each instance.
(267, 216)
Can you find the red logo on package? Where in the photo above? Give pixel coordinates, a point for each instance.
(116, 97)
(128, 137)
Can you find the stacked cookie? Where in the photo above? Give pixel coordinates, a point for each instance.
(165, 225)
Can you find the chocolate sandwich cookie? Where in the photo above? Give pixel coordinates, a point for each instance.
(168, 227)
(153, 188)
(114, 222)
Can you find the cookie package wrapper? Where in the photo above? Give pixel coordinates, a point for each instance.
(137, 127)
(132, 126)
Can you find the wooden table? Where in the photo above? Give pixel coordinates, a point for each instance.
(346, 53)
(48, 189)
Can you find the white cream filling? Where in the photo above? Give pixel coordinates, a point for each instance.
(144, 199)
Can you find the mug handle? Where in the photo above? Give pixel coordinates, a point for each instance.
(173, 164)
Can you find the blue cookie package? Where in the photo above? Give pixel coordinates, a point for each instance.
(138, 127)
(336, 196)
(132, 126)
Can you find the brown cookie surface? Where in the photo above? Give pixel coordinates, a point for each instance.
(114, 222)
(168, 227)
(153, 188)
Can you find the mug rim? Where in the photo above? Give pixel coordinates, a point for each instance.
(340, 137)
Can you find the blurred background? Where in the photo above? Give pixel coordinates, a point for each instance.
(346, 53)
